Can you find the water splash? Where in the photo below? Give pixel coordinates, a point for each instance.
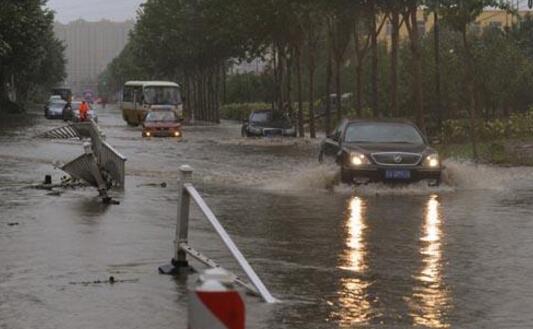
(457, 175)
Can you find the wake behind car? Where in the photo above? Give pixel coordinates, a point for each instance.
(268, 123)
(381, 151)
(161, 123)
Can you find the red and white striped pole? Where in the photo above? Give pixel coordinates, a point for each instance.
(214, 304)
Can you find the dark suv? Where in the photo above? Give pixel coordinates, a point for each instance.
(386, 151)
(268, 123)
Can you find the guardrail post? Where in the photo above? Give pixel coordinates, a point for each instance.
(179, 262)
(182, 223)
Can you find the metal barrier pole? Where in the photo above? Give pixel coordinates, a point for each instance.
(182, 223)
(179, 262)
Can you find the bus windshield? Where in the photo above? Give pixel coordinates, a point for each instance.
(159, 95)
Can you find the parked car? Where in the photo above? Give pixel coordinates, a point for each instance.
(268, 123)
(381, 151)
(71, 112)
(54, 109)
(162, 123)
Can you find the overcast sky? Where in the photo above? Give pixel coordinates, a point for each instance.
(94, 10)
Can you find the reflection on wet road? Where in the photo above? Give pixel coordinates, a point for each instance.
(430, 299)
(355, 308)
(375, 257)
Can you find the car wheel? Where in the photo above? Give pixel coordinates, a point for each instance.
(346, 176)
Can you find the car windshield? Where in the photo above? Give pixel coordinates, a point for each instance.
(57, 105)
(260, 117)
(161, 95)
(161, 116)
(382, 133)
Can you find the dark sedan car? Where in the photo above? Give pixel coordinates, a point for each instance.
(162, 123)
(382, 151)
(268, 123)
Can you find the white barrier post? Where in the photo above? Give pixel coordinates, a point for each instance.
(179, 261)
(214, 304)
(182, 222)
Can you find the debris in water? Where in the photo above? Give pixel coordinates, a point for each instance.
(13, 224)
(163, 185)
(111, 280)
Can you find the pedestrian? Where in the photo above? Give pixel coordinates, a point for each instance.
(84, 109)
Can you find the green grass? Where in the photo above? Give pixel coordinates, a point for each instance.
(500, 152)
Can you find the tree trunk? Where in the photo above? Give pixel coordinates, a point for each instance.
(438, 101)
(395, 43)
(281, 62)
(301, 131)
(289, 84)
(327, 119)
(359, 89)
(417, 69)
(375, 75)
(338, 88)
(469, 84)
(311, 70)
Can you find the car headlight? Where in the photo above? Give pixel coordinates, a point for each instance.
(177, 134)
(358, 159)
(147, 134)
(432, 161)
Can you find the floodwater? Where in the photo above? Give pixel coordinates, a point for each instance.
(456, 256)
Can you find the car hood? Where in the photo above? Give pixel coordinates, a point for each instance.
(161, 124)
(387, 147)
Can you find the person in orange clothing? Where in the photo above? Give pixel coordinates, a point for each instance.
(84, 109)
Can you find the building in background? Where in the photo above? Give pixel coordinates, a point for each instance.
(90, 46)
(490, 17)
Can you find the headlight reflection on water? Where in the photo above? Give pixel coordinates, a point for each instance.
(430, 300)
(354, 307)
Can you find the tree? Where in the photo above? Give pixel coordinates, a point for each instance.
(31, 58)
(411, 22)
(459, 14)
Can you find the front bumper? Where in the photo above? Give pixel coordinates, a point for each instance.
(376, 173)
(271, 132)
(54, 115)
(162, 132)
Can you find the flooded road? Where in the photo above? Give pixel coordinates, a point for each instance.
(376, 257)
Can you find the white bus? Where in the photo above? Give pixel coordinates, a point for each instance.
(139, 97)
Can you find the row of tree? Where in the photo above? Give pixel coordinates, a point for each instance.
(191, 41)
(503, 66)
(31, 57)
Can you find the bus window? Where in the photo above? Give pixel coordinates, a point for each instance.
(127, 94)
(162, 95)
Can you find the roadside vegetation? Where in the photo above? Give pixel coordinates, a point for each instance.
(456, 76)
(31, 57)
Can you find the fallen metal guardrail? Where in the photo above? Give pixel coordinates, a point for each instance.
(179, 263)
(100, 166)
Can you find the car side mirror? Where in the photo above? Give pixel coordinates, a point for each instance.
(334, 137)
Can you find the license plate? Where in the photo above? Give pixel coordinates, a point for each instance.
(397, 174)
